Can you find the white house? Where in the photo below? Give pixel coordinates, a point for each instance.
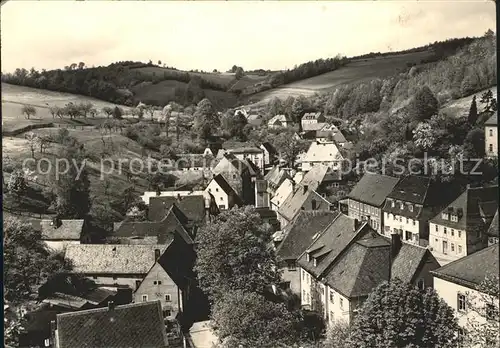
(270, 153)
(282, 193)
(325, 153)
(459, 285)
(311, 118)
(491, 136)
(58, 234)
(225, 196)
(459, 229)
(279, 121)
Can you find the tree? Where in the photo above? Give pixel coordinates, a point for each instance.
(72, 186)
(168, 152)
(159, 62)
(249, 319)
(206, 120)
(239, 73)
(85, 108)
(474, 144)
(248, 264)
(423, 136)
(138, 112)
(81, 65)
(289, 147)
(107, 110)
(33, 142)
(150, 109)
(487, 99)
(483, 318)
(28, 111)
(17, 183)
(298, 108)
(117, 113)
(424, 105)
(337, 335)
(473, 115)
(234, 123)
(275, 107)
(397, 314)
(27, 261)
(54, 110)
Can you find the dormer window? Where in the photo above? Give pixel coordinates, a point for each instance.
(402, 205)
(308, 257)
(315, 262)
(410, 207)
(454, 218)
(393, 204)
(444, 216)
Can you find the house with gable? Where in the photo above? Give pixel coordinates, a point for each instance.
(330, 132)
(275, 177)
(284, 190)
(305, 196)
(367, 198)
(131, 325)
(312, 119)
(491, 136)
(279, 121)
(114, 265)
(225, 196)
(297, 236)
(324, 153)
(59, 233)
(460, 229)
(349, 259)
(411, 204)
(459, 284)
(240, 175)
(270, 153)
(155, 232)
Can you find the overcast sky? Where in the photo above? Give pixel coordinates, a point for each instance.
(216, 35)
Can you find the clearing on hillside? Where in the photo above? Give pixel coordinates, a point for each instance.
(460, 107)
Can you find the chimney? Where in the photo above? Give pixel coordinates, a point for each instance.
(357, 224)
(305, 188)
(111, 305)
(395, 245)
(157, 254)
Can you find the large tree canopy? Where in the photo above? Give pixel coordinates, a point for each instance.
(397, 314)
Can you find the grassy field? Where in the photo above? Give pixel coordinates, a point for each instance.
(355, 71)
(460, 107)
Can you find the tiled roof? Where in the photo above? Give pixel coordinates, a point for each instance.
(408, 261)
(493, 120)
(240, 150)
(334, 239)
(173, 222)
(276, 176)
(279, 119)
(299, 233)
(471, 270)
(493, 229)
(135, 325)
(193, 207)
(310, 182)
(471, 207)
(411, 188)
(322, 152)
(67, 230)
(311, 116)
(283, 191)
(314, 127)
(39, 320)
(373, 189)
(361, 267)
(112, 258)
(224, 185)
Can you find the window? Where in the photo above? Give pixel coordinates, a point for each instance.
(115, 277)
(308, 257)
(407, 235)
(167, 313)
(421, 284)
(413, 221)
(331, 316)
(168, 298)
(341, 303)
(445, 230)
(491, 132)
(216, 189)
(490, 311)
(393, 204)
(303, 275)
(490, 148)
(452, 247)
(221, 199)
(313, 204)
(459, 234)
(452, 232)
(315, 262)
(461, 336)
(454, 218)
(94, 277)
(444, 216)
(437, 228)
(401, 205)
(445, 247)
(461, 306)
(155, 282)
(407, 220)
(144, 298)
(400, 219)
(410, 207)
(332, 297)
(291, 265)
(304, 295)
(222, 206)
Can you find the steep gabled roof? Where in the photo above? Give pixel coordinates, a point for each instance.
(283, 191)
(300, 232)
(493, 229)
(269, 148)
(309, 183)
(67, 230)
(474, 207)
(373, 189)
(193, 207)
(132, 325)
(409, 260)
(112, 258)
(411, 188)
(471, 270)
(276, 176)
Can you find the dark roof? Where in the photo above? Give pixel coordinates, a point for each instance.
(193, 207)
(269, 148)
(474, 207)
(361, 267)
(311, 116)
(276, 176)
(39, 320)
(334, 239)
(471, 270)
(299, 233)
(373, 189)
(493, 120)
(493, 230)
(411, 188)
(177, 261)
(173, 222)
(67, 230)
(224, 185)
(133, 325)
